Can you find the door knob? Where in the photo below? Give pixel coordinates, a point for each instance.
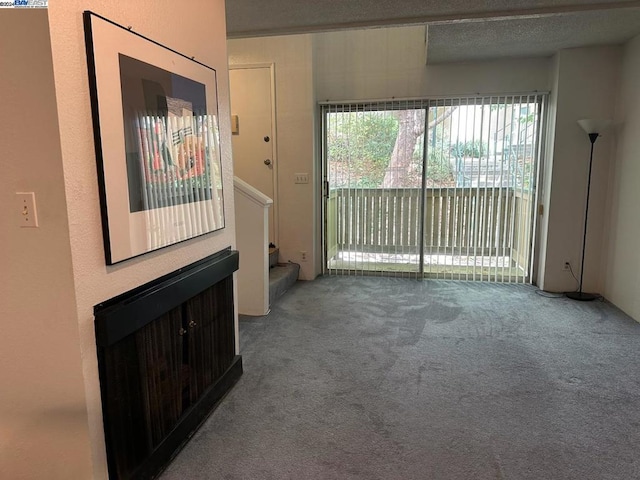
(267, 162)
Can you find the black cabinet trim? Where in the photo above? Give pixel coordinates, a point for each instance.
(123, 315)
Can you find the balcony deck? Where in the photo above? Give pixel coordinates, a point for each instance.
(458, 267)
(470, 234)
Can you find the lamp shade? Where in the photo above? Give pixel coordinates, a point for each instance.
(594, 125)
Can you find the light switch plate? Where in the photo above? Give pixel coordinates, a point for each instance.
(302, 177)
(235, 127)
(26, 209)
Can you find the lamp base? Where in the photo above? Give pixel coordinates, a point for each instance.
(582, 296)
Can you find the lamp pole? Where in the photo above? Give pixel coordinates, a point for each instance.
(579, 295)
(593, 127)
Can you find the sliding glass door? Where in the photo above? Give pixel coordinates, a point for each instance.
(437, 188)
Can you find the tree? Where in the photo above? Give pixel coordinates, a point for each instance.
(411, 126)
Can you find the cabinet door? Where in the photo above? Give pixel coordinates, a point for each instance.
(125, 422)
(160, 350)
(211, 342)
(141, 391)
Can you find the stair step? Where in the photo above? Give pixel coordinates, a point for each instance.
(273, 256)
(281, 278)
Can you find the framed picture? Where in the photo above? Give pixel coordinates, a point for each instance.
(155, 121)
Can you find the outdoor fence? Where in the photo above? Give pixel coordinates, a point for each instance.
(457, 221)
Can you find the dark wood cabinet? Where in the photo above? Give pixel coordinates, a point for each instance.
(160, 381)
(160, 347)
(208, 358)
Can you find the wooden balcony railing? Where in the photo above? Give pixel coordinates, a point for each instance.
(457, 221)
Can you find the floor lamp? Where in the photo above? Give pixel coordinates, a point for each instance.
(593, 127)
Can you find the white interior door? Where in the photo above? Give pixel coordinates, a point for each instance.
(253, 144)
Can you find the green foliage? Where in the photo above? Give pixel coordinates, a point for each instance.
(360, 144)
(439, 169)
(472, 148)
(527, 119)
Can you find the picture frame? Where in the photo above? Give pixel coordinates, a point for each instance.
(157, 141)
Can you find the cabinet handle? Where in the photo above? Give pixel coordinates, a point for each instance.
(182, 331)
(192, 324)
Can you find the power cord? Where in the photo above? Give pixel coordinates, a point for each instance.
(574, 277)
(600, 297)
(542, 293)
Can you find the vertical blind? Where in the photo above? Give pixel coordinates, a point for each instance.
(176, 177)
(438, 188)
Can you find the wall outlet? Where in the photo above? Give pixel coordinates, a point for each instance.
(566, 265)
(303, 256)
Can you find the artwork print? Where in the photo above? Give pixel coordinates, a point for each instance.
(157, 141)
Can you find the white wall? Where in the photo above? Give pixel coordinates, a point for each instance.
(368, 64)
(57, 273)
(622, 255)
(587, 80)
(390, 62)
(292, 56)
(43, 416)
(522, 75)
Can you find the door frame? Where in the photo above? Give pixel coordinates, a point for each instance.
(536, 234)
(274, 139)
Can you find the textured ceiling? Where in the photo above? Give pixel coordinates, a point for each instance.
(530, 37)
(459, 30)
(272, 17)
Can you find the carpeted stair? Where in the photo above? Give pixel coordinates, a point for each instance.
(281, 276)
